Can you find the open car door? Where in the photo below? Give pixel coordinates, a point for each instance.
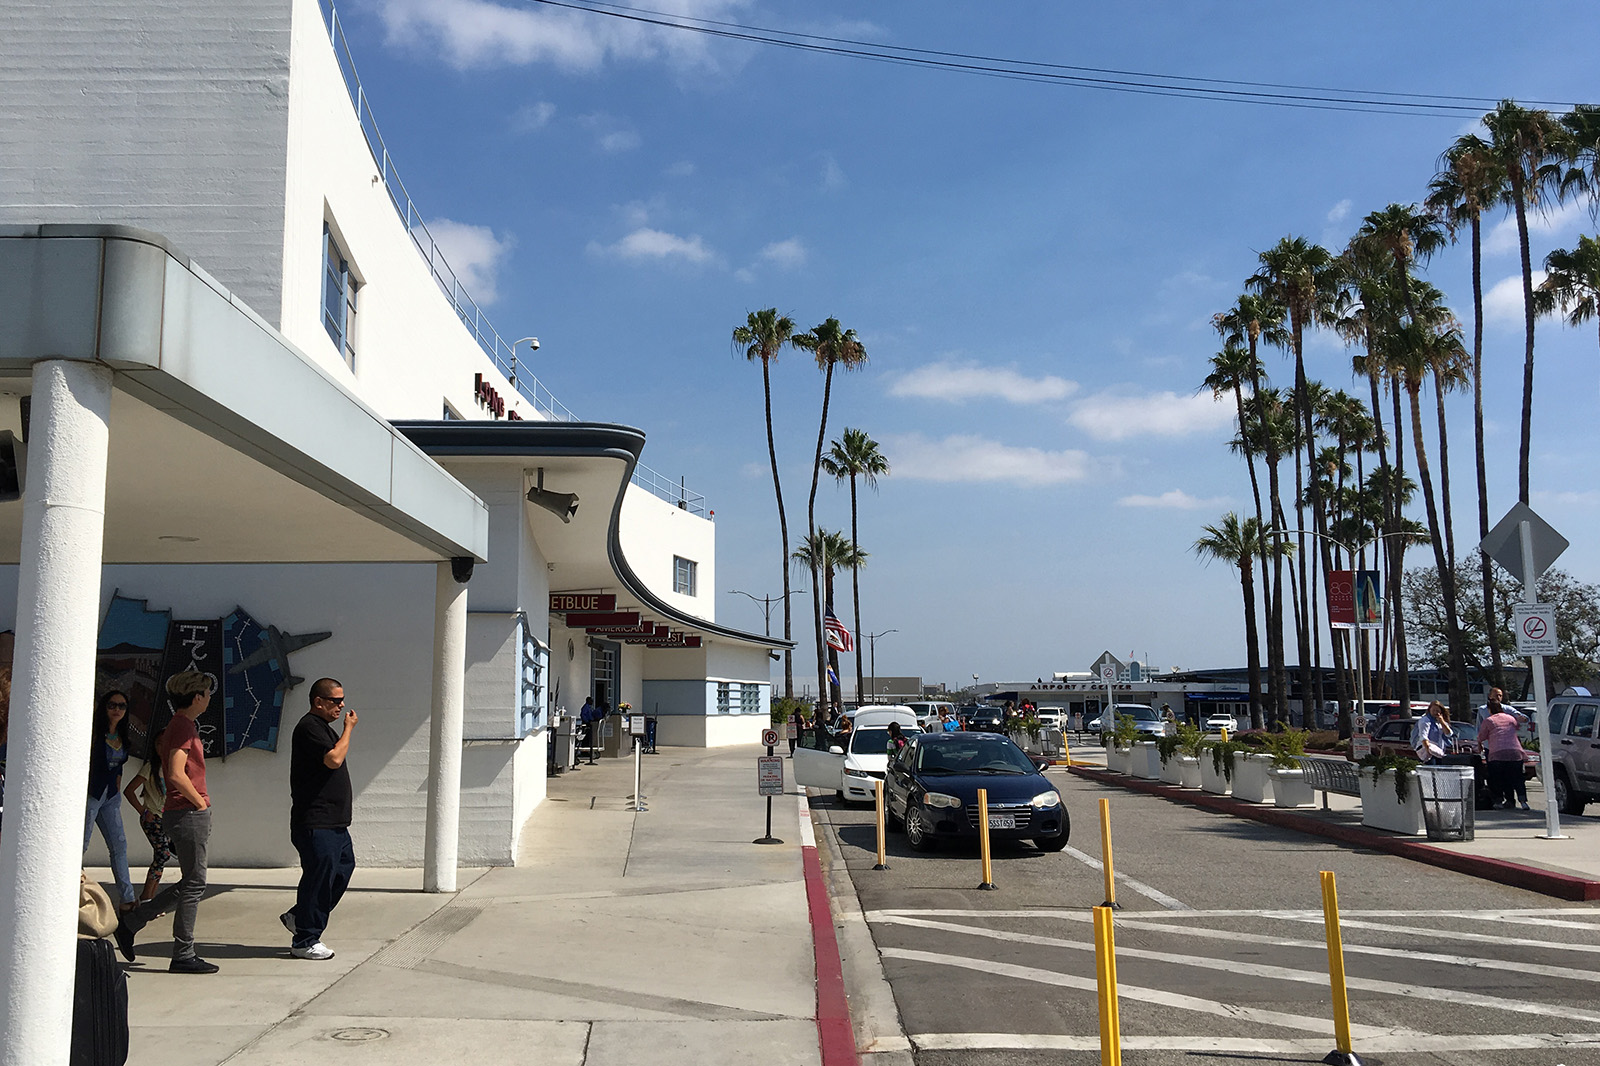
(817, 766)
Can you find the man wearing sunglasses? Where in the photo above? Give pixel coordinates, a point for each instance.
(319, 817)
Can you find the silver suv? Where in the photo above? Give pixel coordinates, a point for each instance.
(1575, 749)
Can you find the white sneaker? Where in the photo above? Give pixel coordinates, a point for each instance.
(318, 952)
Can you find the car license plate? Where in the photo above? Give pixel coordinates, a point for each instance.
(1002, 821)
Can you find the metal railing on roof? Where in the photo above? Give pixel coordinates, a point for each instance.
(466, 308)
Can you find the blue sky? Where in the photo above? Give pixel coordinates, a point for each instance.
(1031, 267)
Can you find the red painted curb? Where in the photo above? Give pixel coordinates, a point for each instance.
(836, 1037)
(1532, 878)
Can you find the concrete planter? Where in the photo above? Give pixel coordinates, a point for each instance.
(1171, 770)
(1117, 759)
(1250, 780)
(1212, 780)
(1146, 761)
(1289, 788)
(1381, 810)
(1188, 770)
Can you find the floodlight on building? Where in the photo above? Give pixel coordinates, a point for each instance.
(561, 504)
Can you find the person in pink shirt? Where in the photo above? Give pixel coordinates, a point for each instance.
(1502, 753)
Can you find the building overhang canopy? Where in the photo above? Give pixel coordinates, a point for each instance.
(227, 444)
(594, 461)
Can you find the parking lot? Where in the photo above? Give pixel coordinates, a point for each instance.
(1221, 956)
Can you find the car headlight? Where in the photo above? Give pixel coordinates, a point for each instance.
(1047, 799)
(939, 799)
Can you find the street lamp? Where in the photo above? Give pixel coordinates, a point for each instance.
(766, 603)
(872, 654)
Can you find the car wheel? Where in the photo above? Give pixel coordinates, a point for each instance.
(1568, 800)
(918, 835)
(1051, 843)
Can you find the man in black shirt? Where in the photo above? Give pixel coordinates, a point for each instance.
(319, 817)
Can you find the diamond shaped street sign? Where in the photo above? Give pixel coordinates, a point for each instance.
(1504, 543)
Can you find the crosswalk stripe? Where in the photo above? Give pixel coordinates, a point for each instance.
(1140, 887)
(1388, 1044)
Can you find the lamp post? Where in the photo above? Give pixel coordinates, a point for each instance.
(766, 603)
(1355, 641)
(533, 346)
(872, 655)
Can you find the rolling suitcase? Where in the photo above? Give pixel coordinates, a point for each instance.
(99, 1007)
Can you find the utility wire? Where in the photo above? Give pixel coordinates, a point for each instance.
(1113, 80)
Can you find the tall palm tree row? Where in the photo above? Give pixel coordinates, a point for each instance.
(856, 456)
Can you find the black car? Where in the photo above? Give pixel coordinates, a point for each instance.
(983, 718)
(931, 791)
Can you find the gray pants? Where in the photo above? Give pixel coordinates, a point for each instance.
(189, 832)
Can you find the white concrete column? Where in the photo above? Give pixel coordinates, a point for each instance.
(441, 845)
(52, 705)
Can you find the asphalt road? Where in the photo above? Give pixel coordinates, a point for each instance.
(1221, 955)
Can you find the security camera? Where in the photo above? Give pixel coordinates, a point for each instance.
(533, 342)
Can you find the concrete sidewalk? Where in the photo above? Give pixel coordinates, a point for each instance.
(1509, 846)
(664, 937)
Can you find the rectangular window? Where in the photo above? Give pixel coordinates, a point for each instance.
(339, 287)
(749, 698)
(683, 574)
(724, 698)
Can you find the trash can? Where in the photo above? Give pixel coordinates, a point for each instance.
(1448, 795)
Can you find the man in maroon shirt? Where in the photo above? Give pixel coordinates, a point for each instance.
(186, 820)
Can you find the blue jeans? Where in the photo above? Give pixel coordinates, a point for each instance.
(327, 860)
(108, 812)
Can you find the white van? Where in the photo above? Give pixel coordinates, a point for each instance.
(928, 711)
(850, 766)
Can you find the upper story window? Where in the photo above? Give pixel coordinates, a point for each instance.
(339, 286)
(683, 575)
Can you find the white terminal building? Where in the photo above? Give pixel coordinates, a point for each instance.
(259, 428)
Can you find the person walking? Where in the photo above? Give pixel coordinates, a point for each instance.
(186, 819)
(1428, 736)
(319, 818)
(108, 753)
(1502, 753)
(147, 792)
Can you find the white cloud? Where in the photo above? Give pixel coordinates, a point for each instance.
(681, 169)
(1119, 416)
(967, 459)
(786, 254)
(481, 33)
(833, 178)
(1558, 219)
(531, 117)
(1503, 301)
(1570, 498)
(1339, 211)
(1175, 500)
(956, 382)
(474, 253)
(619, 141)
(646, 243)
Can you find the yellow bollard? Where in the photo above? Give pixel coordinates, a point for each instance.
(1224, 734)
(1105, 965)
(1105, 853)
(1341, 1003)
(983, 840)
(883, 844)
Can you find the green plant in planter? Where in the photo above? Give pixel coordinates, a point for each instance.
(1222, 753)
(1402, 768)
(1189, 739)
(1166, 747)
(1287, 748)
(1125, 732)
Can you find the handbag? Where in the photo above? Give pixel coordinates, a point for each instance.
(97, 915)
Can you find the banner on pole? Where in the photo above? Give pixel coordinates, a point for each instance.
(1353, 599)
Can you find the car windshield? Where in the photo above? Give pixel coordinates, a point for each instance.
(974, 756)
(1140, 713)
(874, 740)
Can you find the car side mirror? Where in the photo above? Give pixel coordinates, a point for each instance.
(1039, 763)
(835, 750)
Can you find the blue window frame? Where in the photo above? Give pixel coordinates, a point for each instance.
(338, 297)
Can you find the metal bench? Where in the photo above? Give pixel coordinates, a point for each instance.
(1328, 774)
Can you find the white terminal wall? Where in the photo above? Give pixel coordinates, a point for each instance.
(652, 532)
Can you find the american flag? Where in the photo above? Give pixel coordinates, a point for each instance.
(838, 635)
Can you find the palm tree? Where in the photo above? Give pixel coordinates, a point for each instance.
(856, 455)
(1524, 142)
(832, 345)
(1238, 543)
(1572, 283)
(1305, 279)
(823, 553)
(762, 335)
(1270, 424)
(1471, 180)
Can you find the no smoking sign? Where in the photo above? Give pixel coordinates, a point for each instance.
(1535, 624)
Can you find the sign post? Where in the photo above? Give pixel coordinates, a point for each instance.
(769, 780)
(636, 731)
(1526, 545)
(1108, 719)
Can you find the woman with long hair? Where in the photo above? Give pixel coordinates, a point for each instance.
(108, 753)
(148, 794)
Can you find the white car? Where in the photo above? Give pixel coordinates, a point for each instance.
(1222, 721)
(851, 767)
